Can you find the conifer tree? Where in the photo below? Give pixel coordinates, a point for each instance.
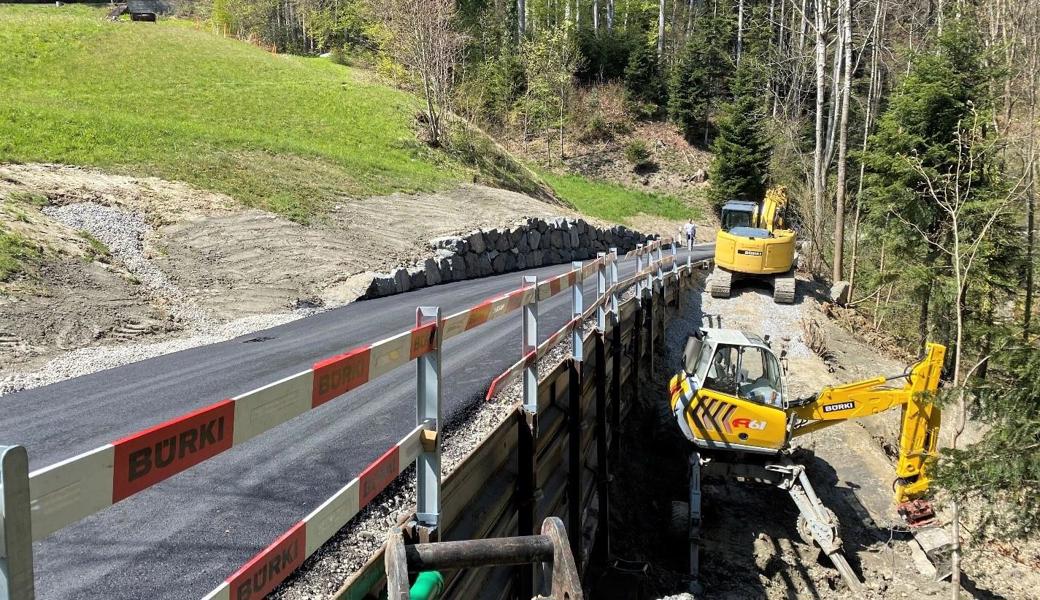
(741, 163)
(643, 80)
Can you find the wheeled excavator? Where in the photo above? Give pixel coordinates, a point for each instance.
(731, 402)
(753, 242)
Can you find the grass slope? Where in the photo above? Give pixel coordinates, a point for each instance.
(612, 202)
(280, 132)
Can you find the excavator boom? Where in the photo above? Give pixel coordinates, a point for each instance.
(919, 421)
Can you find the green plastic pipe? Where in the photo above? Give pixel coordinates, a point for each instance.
(428, 586)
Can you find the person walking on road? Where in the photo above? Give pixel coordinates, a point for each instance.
(691, 233)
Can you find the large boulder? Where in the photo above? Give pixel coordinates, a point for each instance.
(484, 267)
(476, 242)
(556, 239)
(534, 238)
(451, 242)
(840, 292)
(472, 265)
(403, 279)
(459, 267)
(499, 263)
(504, 241)
(433, 271)
(383, 284)
(417, 277)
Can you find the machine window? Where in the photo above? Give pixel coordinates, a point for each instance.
(732, 218)
(722, 371)
(759, 377)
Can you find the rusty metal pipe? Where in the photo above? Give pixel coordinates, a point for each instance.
(479, 553)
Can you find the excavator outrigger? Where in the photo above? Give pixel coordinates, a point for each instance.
(731, 402)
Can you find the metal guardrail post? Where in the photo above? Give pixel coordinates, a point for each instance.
(601, 290)
(428, 414)
(529, 345)
(577, 308)
(527, 431)
(16, 559)
(639, 267)
(660, 263)
(613, 282)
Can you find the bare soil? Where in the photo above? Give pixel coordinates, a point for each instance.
(201, 260)
(751, 547)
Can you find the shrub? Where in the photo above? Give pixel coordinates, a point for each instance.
(338, 56)
(638, 153)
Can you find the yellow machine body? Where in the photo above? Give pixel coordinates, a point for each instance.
(765, 422)
(753, 239)
(755, 256)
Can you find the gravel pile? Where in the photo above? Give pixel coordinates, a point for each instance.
(326, 571)
(123, 232)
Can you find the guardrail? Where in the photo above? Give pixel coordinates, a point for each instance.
(551, 455)
(35, 505)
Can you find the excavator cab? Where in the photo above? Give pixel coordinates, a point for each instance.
(739, 214)
(730, 393)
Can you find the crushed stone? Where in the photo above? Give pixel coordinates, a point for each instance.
(752, 309)
(123, 233)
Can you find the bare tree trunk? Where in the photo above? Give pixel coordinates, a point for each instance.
(660, 28)
(521, 17)
(1033, 83)
(740, 29)
(843, 144)
(803, 27)
(610, 15)
(819, 175)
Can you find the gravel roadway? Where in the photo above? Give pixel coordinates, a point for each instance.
(180, 538)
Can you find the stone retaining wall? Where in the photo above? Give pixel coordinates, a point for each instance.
(530, 243)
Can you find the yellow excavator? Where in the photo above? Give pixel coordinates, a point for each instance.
(752, 242)
(731, 401)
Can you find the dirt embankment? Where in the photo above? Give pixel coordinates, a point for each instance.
(146, 260)
(751, 548)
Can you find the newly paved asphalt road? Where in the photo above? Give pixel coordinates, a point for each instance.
(181, 538)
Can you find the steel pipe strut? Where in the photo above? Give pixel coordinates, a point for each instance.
(466, 554)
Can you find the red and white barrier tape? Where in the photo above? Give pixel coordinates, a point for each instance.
(273, 564)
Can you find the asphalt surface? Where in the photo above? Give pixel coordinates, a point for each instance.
(182, 537)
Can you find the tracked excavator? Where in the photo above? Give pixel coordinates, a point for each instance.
(731, 402)
(753, 242)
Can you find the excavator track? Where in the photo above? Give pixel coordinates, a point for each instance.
(784, 288)
(721, 283)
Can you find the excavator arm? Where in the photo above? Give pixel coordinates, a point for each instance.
(919, 424)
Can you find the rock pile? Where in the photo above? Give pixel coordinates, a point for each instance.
(530, 243)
